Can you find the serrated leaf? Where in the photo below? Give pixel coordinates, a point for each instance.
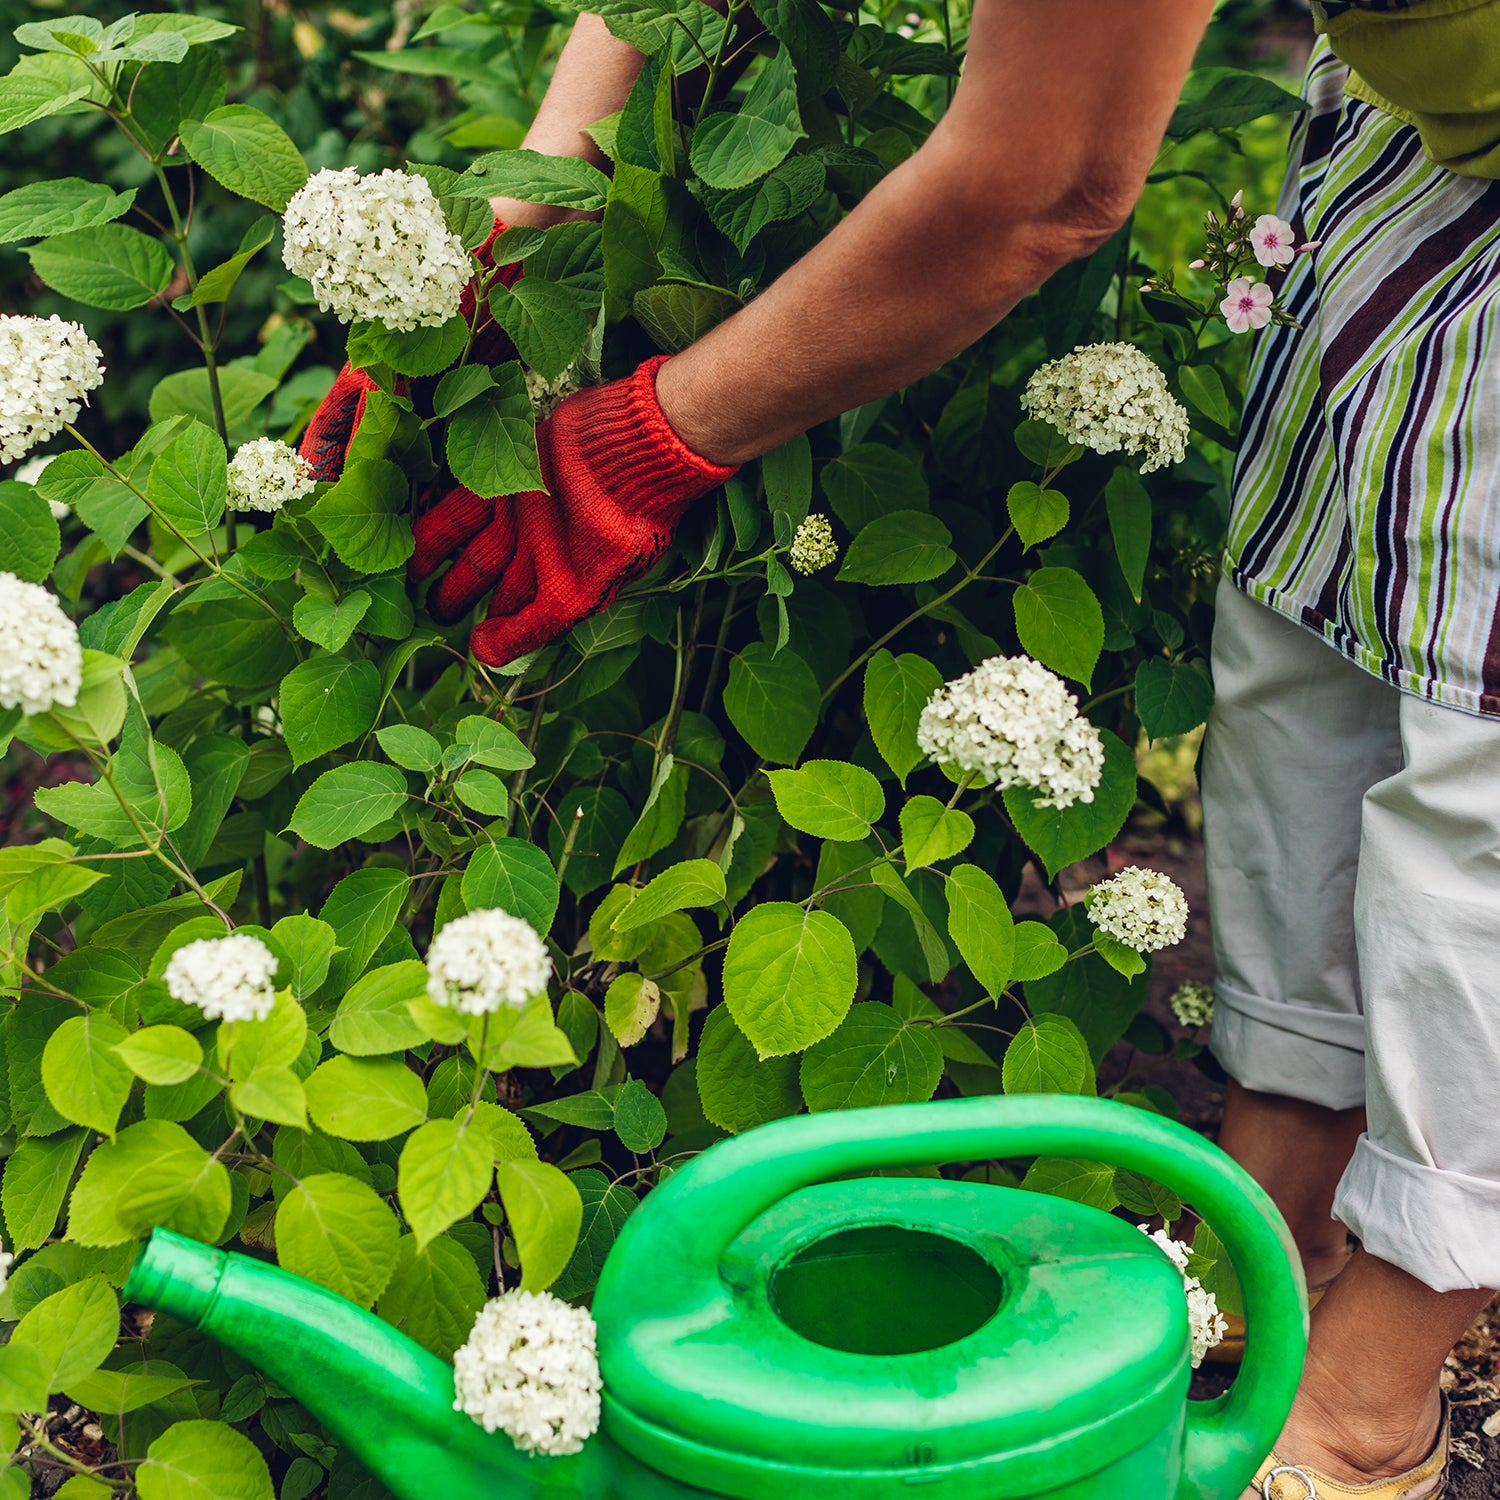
(346, 802)
(32, 540)
(772, 698)
(905, 546)
(545, 1213)
(336, 1231)
(364, 516)
(444, 1171)
(325, 703)
(112, 266)
(897, 689)
(1172, 697)
(491, 442)
(1036, 513)
(732, 149)
(1061, 835)
(60, 206)
(243, 149)
(366, 1098)
(873, 1058)
(931, 833)
(202, 1460)
(979, 922)
(829, 799)
(1048, 1055)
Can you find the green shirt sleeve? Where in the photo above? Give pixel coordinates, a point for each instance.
(1432, 63)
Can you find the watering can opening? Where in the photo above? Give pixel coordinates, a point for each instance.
(883, 1289)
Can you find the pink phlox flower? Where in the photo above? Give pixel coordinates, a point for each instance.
(1248, 304)
(1272, 241)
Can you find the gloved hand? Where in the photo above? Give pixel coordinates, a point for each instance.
(618, 481)
(325, 444)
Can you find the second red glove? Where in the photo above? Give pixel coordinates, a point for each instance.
(618, 481)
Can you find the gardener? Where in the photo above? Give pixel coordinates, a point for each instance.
(998, 199)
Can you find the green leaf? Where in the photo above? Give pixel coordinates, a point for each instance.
(36, 1180)
(246, 151)
(631, 1004)
(23, 1384)
(517, 877)
(872, 480)
(829, 799)
(200, 1460)
(28, 97)
(1089, 1182)
(443, 1173)
(1211, 1264)
(545, 1212)
(32, 540)
(1060, 623)
(979, 922)
(1036, 513)
(72, 1330)
(189, 482)
(216, 284)
(434, 1294)
(325, 703)
(336, 1231)
(85, 1082)
(61, 206)
(1048, 1055)
(1038, 952)
(934, 951)
(789, 976)
(564, 181)
(738, 1089)
(366, 1098)
(873, 1058)
(906, 546)
(364, 516)
(1221, 98)
(361, 909)
(491, 443)
(1205, 392)
(346, 802)
(694, 882)
(169, 93)
(897, 689)
(484, 792)
(676, 314)
(153, 1173)
(161, 1054)
(410, 747)
(115, 1392)
(931, 832)
(640, 1121)
(606, 1206)
(491, 744)
(730, 150)
(187, 394)
(113, 266)
(373, 1017)
(1129, 507)
(1061, 836)
(416, 351)
(772, 698)
(545, 322)
(791, 189)
(1172, 697)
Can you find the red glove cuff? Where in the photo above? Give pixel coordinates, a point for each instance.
(617, 437)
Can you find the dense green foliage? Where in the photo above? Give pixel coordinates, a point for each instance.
(758, 896)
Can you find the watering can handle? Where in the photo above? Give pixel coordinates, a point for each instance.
(728, 1187)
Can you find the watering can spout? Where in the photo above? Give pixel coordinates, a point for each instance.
(376, 1391)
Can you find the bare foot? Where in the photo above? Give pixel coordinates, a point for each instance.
(1359, 1449)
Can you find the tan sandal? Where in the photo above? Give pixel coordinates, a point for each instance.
(1279, 1480)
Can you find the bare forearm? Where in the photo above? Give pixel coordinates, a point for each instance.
(593, 79)
(1043, 153)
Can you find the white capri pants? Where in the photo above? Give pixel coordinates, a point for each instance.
(1353, 844)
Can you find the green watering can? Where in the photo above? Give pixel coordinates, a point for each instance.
(771, 1328)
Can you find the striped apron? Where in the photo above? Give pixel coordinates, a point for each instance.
(1366, 498)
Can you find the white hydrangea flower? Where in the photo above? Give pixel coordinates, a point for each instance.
(376, 248)
(1205, 1322)
(47, 369)
(229, 978)
(1193, 1004)
(1111, 398)
(1012, 722)
(547, 395)
(813, 547)
(1143, 909)
(265, 474)
(41, 662)
(485, 961)
(530, 1369)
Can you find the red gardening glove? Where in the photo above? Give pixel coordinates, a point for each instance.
(325, 444)
(618, 481)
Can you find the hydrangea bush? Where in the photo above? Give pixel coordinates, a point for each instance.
(333, 946)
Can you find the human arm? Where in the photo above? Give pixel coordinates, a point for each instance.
(1040, 158)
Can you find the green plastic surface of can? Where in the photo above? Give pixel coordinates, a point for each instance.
(774, 1327)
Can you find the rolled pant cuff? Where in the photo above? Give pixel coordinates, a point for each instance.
(1441, 1227)
(1274, 1047)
